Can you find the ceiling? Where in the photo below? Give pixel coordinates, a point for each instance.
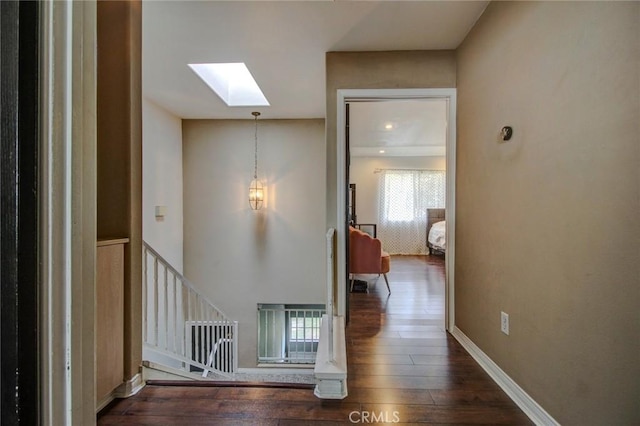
(398, 128)
(283, 44)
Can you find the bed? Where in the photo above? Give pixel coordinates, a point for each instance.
(436, 231)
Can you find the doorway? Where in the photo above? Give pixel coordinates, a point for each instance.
(347, 96)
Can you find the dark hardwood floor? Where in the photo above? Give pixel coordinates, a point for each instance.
(403, 368)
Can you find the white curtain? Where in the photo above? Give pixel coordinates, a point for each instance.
(403, 199)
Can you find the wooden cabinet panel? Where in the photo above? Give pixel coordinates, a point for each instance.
(109, 317)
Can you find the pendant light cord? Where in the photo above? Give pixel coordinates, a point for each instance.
(255, 167)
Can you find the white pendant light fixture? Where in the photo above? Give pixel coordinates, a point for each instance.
(256, 189)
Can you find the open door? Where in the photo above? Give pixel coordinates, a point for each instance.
(347, 207)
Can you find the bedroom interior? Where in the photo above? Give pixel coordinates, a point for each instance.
(397, 162)
(436, 231)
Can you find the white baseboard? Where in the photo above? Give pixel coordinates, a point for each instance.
(276, 375)
(266, 369)
(531, 408)
(130, 387)
(156, 371)
(125, 390)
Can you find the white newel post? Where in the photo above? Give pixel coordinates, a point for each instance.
(330, 235)
(331, 359)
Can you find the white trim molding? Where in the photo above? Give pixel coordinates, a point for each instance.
(345, 96)
(274, 369)
(125, 390)
(130, 387)
(67, 212)
(531, 408)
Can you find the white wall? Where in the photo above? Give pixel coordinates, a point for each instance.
(241, 257)
(162, 181)
(361, 172)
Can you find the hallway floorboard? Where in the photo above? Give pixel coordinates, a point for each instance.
(403, 368)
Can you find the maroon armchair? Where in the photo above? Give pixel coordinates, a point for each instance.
(366, 256)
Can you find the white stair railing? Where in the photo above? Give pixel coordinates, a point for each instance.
(181, 323)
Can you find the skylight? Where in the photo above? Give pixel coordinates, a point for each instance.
(232, 82)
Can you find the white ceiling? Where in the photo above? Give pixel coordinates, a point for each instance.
(404, 128)
(284, 46)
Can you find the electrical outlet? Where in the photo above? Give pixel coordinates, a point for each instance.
(504, 323)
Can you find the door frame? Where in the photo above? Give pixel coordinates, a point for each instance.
(352, 95)
(19, 191)
(67, 212)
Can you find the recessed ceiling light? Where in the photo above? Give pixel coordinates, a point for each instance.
(381, 151)
(388, 126)
(232, 82)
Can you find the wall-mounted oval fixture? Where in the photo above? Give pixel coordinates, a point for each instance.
(506, 133)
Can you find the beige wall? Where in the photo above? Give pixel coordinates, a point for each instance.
(548, 224)
(378, 70)
(162, 182)
(114, 120)
(240, 257)
(119, 153)
(361, 172)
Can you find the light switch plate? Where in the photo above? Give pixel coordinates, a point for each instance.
(504, 323)
(161, 211)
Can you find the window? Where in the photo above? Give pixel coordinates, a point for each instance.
(403, 199)
(399, 191)
(304, 329)
(407, 194)
(288, 333)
